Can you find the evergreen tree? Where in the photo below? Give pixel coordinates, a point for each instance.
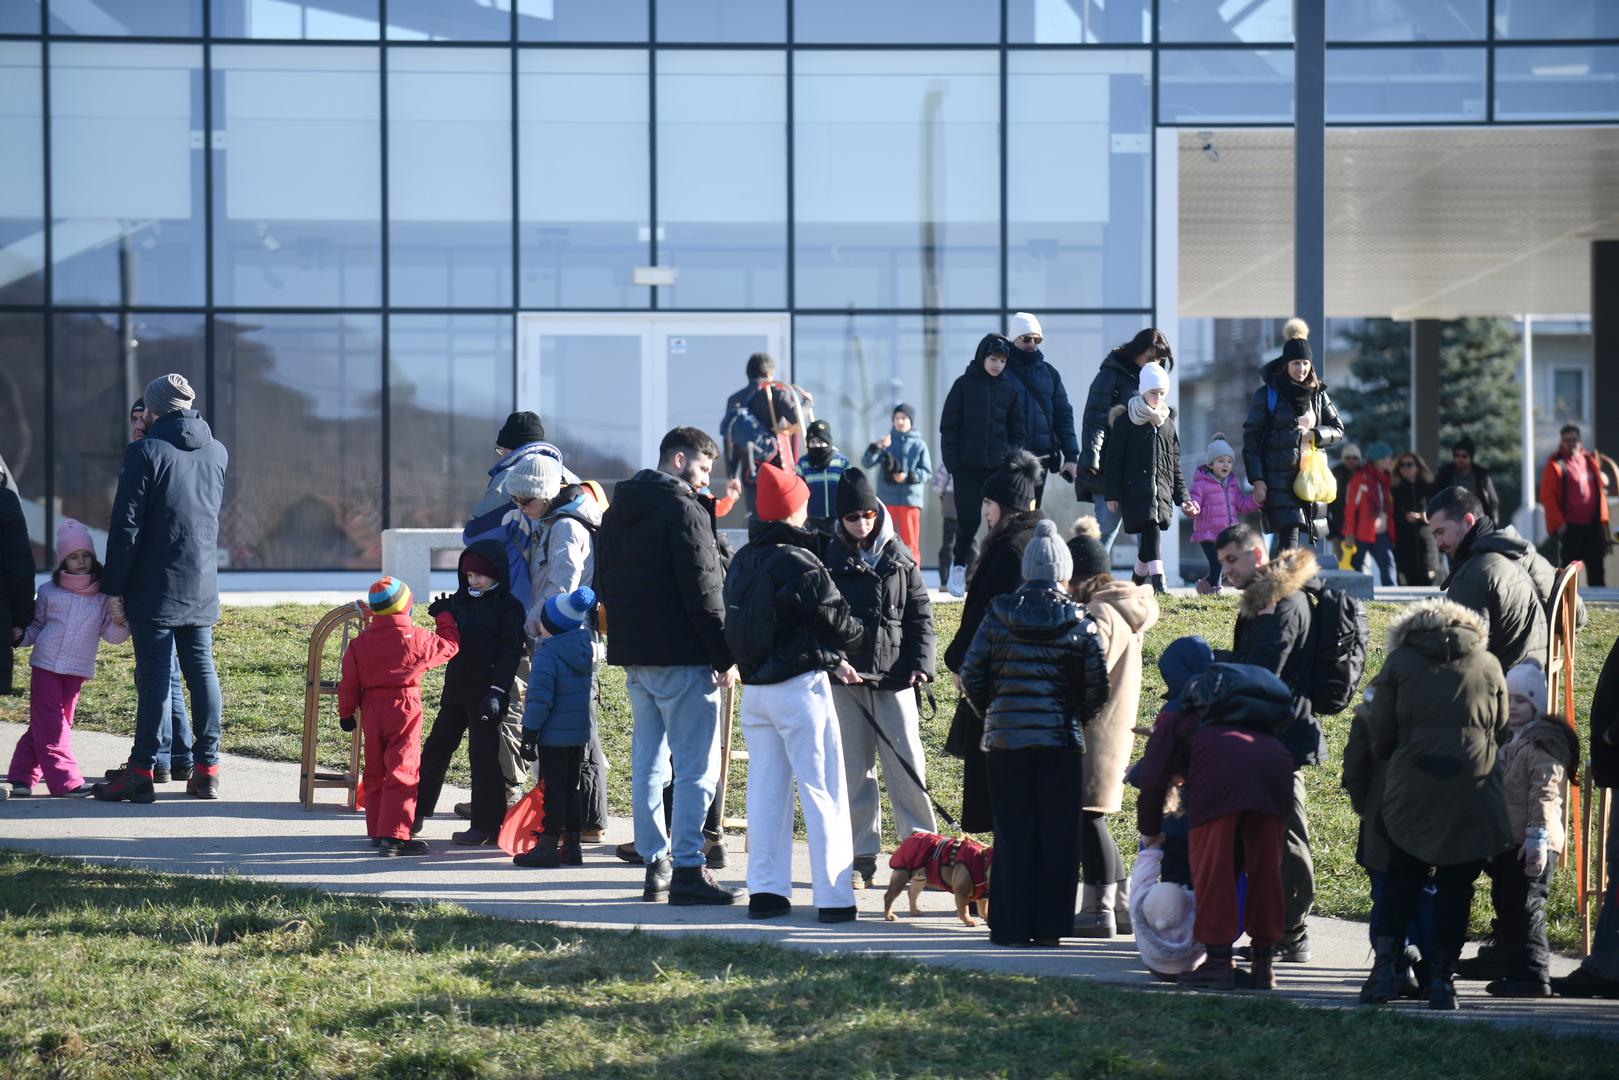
(1375, 402)
(1479, 397)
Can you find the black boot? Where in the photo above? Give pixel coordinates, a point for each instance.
(542, 856)
(1409, 971)
(696, 885)
(1158, 584)
(1442, 991)
(571, 855)
(1383, 984)
(658, 876)
(1138, 579)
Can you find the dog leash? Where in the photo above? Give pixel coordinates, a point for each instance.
(903, 764)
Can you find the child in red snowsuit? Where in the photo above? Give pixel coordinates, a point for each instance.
(382, 677)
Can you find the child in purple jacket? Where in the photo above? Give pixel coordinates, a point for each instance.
(70, 620)
(1219, 501)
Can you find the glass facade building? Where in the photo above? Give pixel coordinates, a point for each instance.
(367, 229)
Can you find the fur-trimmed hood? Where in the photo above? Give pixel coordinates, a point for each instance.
(1439, 628)
(1278, 579)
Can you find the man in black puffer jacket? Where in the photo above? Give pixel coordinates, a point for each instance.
(788, 627)
(1048, 417)
(982, 421)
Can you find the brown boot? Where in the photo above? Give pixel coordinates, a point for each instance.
(1261, 976)
(1216, 972)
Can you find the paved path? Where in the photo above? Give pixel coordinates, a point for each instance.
(258, 829)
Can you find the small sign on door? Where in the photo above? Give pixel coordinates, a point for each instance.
(677, 346)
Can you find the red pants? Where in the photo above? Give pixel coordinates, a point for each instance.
(393, 759)
(908, 523)
(46, 748)
(1214, 878)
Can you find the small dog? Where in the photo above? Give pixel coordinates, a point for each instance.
(960, 866)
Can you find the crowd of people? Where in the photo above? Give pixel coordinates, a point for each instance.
(825, 623)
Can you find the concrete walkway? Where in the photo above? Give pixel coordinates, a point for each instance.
(258, 829)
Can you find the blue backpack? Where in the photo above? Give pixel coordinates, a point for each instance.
(745, 437)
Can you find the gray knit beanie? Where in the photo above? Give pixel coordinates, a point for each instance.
(1046, 558)
(535, 477)
(168, 393)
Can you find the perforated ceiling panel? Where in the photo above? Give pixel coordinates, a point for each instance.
(1435, 222)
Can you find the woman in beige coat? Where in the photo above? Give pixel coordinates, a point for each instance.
(1123, 614)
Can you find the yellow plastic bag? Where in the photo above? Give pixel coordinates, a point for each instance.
(1315, 482)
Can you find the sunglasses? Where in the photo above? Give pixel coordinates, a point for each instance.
(1408, 464)
(1029, 339)
(524, 503)
(861, 515)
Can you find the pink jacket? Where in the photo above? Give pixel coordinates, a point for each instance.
(1218, 505)
(67, 628)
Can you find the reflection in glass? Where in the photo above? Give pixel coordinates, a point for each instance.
(126, 174)
(1221, 22)
(1406, 20)
(705, 369)
(742, 21)
(22, 175)
(449, 389)
(103, 362)
(1558, 82)
(584, 158)
(1078, 22)
(113, 18)
(449, 20)
(22, 436)
(449, 177)
(722, 178)
(299, 19)
(581, 20)
(577, 373)
(299, 407)
(298, 192)
(897, 22)
(19, 17)
(1556, 19)
(898, 179)
(1079, 179)
(1405, 84)
(1225, 86)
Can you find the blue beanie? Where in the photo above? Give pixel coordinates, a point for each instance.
(1184, 659)
(568, 611)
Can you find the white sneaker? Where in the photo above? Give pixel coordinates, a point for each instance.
(957, 585)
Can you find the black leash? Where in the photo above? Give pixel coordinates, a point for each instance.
(903, 764)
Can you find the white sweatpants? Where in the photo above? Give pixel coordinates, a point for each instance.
(792, 731)
(895, 712)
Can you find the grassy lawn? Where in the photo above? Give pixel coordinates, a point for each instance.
(107, 972)
(261, 658)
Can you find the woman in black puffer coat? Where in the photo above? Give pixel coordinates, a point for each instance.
(1009, 503)
(981, 423)
(1143, 471)
(1117, 382)
(1416, 555)
(1037, 673)
(1290, 407)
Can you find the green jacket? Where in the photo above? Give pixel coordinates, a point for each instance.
(1489, 579)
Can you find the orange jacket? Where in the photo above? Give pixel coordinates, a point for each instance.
(384, 664)
(1370, 494)
(1551, 489)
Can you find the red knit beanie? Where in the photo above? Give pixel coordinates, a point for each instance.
(781, 493)
(474, 563)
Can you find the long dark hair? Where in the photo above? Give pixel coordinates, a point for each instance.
(95, 570)
(1010, 520)
(1424, 474)
(1151, 338)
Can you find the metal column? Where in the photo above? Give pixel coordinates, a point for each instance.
(1309, 168)
(1604, 346)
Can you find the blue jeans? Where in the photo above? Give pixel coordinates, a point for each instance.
(179, 754)
(677, 725)
(1108, 520)
(157, 650)
(1604, 958)
(1382, 552)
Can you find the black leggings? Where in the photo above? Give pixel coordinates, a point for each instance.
(1212, 553)
(969, 512)
(1148, 548)
(1098, 854)
(1287, 536)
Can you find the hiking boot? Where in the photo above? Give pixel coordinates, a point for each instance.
(571, 855)
(696, 885)
(658, 876)
(390, 848)
(765, 905)
(83, 791)
(463, 810)
(1293, 948)
(474, 837)
(176, 772)
(1121, 907)
(714, 856)
(160, 773)
(592, 836)
(542, 856)
(1383, 983)
(1485, 966)
(1519, 988)
(1260, 974)
(627, 852)
(131, 785)
(837, 914)
(1216, 972)
(204, 782)
(1095, 918)
(865, 872)
(956, 584)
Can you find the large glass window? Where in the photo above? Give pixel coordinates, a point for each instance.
(1224, 22)
(298, 183)
(576, 373)
(1556, 19)
(722, 178)
(19, 17)
(897, 179)
(705, 21)
(109, 18)
(449, 389)
(22, 436)
(22, 174)
(449, 20)
(1406, 20)
(1405, 84)
(581, 20)
(1079, 179)
(299, 407)
(103, 362)
(1225, 86)
(897, 21)
(131, 233)
(1559, 82)
(1085, 22)
(449, 177)
(584, 158)
(303, 19)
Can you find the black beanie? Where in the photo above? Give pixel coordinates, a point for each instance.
(854, 492)
(819, 429)
(1013, 484)
(520, 429)
(1090, 556)
(1297, 349)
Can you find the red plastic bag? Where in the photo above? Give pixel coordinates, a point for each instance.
(523, 821)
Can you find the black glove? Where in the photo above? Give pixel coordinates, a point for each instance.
(346, 722)
(530, 749)
(439, 605)
(494, 704)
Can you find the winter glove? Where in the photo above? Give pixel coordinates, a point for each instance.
(440, 605)
(494, 704)
(346, 722)
(1534, 852)
(530, 749)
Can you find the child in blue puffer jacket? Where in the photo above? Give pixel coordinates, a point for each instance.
(903, 467)
(556, 724)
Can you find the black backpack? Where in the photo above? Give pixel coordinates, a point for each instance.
(746, 439)
(750, 604)
(1335, 649)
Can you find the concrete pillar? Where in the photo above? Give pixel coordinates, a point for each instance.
(1425, 389)
(1309, 169)
(1604, 346)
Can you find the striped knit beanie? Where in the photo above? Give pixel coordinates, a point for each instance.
(389, 596)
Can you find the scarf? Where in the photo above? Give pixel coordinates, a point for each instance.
(1300, 396)
(820, 457)
(83, 584)
(1142, 413)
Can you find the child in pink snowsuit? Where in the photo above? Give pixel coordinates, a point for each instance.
(70, 620)
(1219, 501)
